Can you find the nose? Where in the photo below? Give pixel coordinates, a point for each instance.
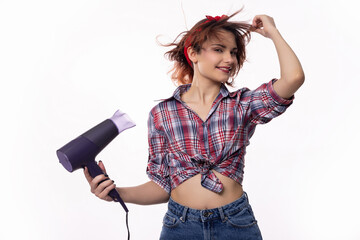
(229, 58)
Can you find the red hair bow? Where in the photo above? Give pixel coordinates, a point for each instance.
(217, 18)
(210, 18)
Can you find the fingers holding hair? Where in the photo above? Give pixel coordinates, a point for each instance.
(263, 25)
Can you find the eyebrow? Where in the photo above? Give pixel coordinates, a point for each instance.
(223, 46)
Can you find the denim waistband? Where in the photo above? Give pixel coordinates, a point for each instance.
(208, 214)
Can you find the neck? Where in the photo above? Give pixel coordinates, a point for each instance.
(203, 92)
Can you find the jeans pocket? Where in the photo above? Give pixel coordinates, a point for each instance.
(242, 219)
(170, 220)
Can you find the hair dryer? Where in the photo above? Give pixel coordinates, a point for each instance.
(82, 151)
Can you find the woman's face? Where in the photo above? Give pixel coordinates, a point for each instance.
(217, 58)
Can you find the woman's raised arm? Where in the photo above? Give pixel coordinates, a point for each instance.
(292, 74)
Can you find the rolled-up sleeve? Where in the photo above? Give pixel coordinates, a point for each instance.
(264, 103)
(157, 167)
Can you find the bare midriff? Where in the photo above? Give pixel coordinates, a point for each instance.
(190, 193)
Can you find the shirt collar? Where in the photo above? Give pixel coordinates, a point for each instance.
(224, 92)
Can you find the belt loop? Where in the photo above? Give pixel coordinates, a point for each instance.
(182, 218)
(246, 196)
(222, 215)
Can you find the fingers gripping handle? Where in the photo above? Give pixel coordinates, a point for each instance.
(95, 170)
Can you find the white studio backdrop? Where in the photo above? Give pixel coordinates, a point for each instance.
(65, 66)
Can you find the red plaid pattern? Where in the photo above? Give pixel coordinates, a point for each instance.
(182, 145)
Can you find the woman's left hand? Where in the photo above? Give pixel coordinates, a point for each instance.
(264, 25)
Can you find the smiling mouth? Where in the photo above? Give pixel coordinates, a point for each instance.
(224, 69)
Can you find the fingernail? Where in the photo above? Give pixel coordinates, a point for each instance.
(100, 161)
(106, 175)
(113, 181)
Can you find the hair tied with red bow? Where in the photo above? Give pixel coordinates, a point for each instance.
(210, 18)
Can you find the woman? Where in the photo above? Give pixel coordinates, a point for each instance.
(198, 137)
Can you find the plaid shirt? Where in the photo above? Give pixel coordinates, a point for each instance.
(182, 145)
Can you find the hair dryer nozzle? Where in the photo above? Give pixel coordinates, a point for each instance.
(122, 121)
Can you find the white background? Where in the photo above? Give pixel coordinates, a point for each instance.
(65, 66)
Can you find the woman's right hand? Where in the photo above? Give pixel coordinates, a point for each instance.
(101, 185)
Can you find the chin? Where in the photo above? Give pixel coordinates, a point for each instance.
(223, 80)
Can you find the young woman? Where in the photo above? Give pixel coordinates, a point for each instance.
(198, 136)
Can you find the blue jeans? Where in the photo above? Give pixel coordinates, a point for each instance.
(235, 220)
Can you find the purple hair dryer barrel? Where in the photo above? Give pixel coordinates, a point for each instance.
(82, 151)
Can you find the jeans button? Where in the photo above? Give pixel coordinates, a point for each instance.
(206, 214)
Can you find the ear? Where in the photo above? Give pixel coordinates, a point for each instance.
(192, 54)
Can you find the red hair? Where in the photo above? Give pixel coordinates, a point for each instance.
(182, 72)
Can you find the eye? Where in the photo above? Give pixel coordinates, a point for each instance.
(234, 53)
(218, 50)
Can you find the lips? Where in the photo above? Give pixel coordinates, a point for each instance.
(224, 69)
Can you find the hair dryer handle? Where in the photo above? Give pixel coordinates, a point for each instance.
(95, 170)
